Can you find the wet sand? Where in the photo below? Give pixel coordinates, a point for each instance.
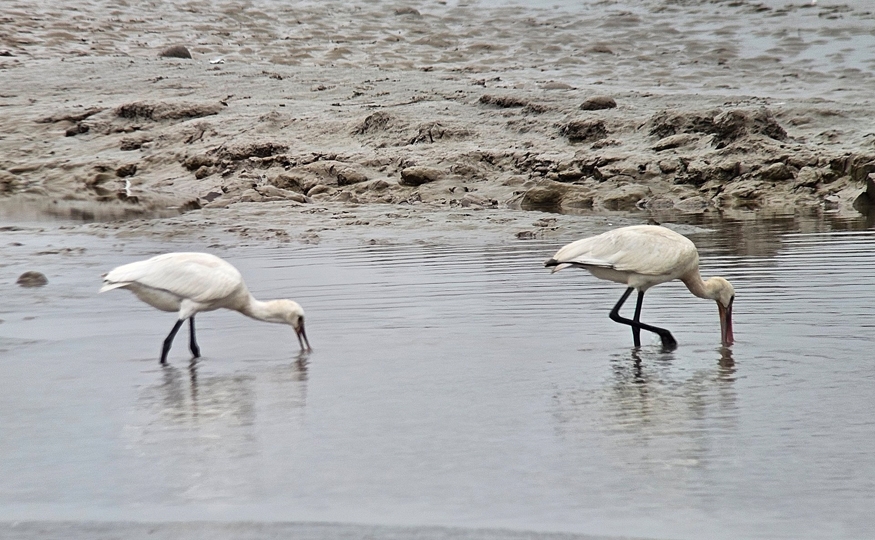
(729, 106)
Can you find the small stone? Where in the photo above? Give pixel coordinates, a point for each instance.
(584, 130)
(777, 171)
(32, 279)
(553, 85)
(176, 51)
(76, 130)
(348, 176)
(418, 175)
(674, 141)
(126, 170)
(406, 10)
(597, 103)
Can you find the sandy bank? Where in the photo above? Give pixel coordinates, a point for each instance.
(615, 107)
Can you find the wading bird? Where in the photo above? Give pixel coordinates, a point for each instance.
(189, 283)
(640, 257)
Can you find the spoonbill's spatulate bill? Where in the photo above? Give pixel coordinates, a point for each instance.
(640, 257)
(189, 283)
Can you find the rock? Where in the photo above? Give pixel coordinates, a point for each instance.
(625, 197)
(470, 199)
(861, 167)
(318, 189)
(584, 130)
(554, 85)
(418, 175)
(692, 205)
(379, 185)
(129, 144)
(250, 195)
(166, 111)
(176, 51)
(777, 171)
(666, 123)
(260, 149)
(551, 195)
(597, 103)
(735, 124)
(674, 141)
(745, 193)
(287, 181)
(503, 102)
(126, 170)
(865, 202)
(407, 10)
(659, 202)
(376, 122)
(76, 130)
(194, 163)
(807, 177)
(347, 176)
(667, 166)
(32, 279)
(546, 196)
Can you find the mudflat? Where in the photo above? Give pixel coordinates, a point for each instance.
(117, 109)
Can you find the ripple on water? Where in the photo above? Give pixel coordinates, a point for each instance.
(463, 385)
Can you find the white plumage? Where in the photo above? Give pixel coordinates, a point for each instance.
(188, 283)
(640, 257)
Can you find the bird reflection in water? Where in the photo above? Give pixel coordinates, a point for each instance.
(196, 397)
(657, 416)
(663, 416)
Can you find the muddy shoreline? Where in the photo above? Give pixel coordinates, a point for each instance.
(440, 105)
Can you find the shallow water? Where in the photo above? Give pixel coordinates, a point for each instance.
(456, 384)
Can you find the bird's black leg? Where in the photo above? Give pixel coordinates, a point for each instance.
(192, 342)
(636, 331)
(169, 341)
(668, 340)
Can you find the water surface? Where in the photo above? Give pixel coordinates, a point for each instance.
(457, 384)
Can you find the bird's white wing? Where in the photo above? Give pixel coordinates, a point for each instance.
(197, 276)
(645, 249)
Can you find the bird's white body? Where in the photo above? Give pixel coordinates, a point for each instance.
(189, 283)
(639, 256)
(642, 256)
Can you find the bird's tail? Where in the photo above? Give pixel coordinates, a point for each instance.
(555, 265)
(111, 286)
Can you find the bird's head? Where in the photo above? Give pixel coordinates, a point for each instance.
(290, 312)
(725, 297)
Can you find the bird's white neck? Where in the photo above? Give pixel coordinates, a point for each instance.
(263, 311)
(708, 289)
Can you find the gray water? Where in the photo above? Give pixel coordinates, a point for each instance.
(458, 384)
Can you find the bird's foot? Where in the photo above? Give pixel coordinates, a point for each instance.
(668, 341)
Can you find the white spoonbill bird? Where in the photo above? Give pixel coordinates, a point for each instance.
(640, 257)
(189, 283)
